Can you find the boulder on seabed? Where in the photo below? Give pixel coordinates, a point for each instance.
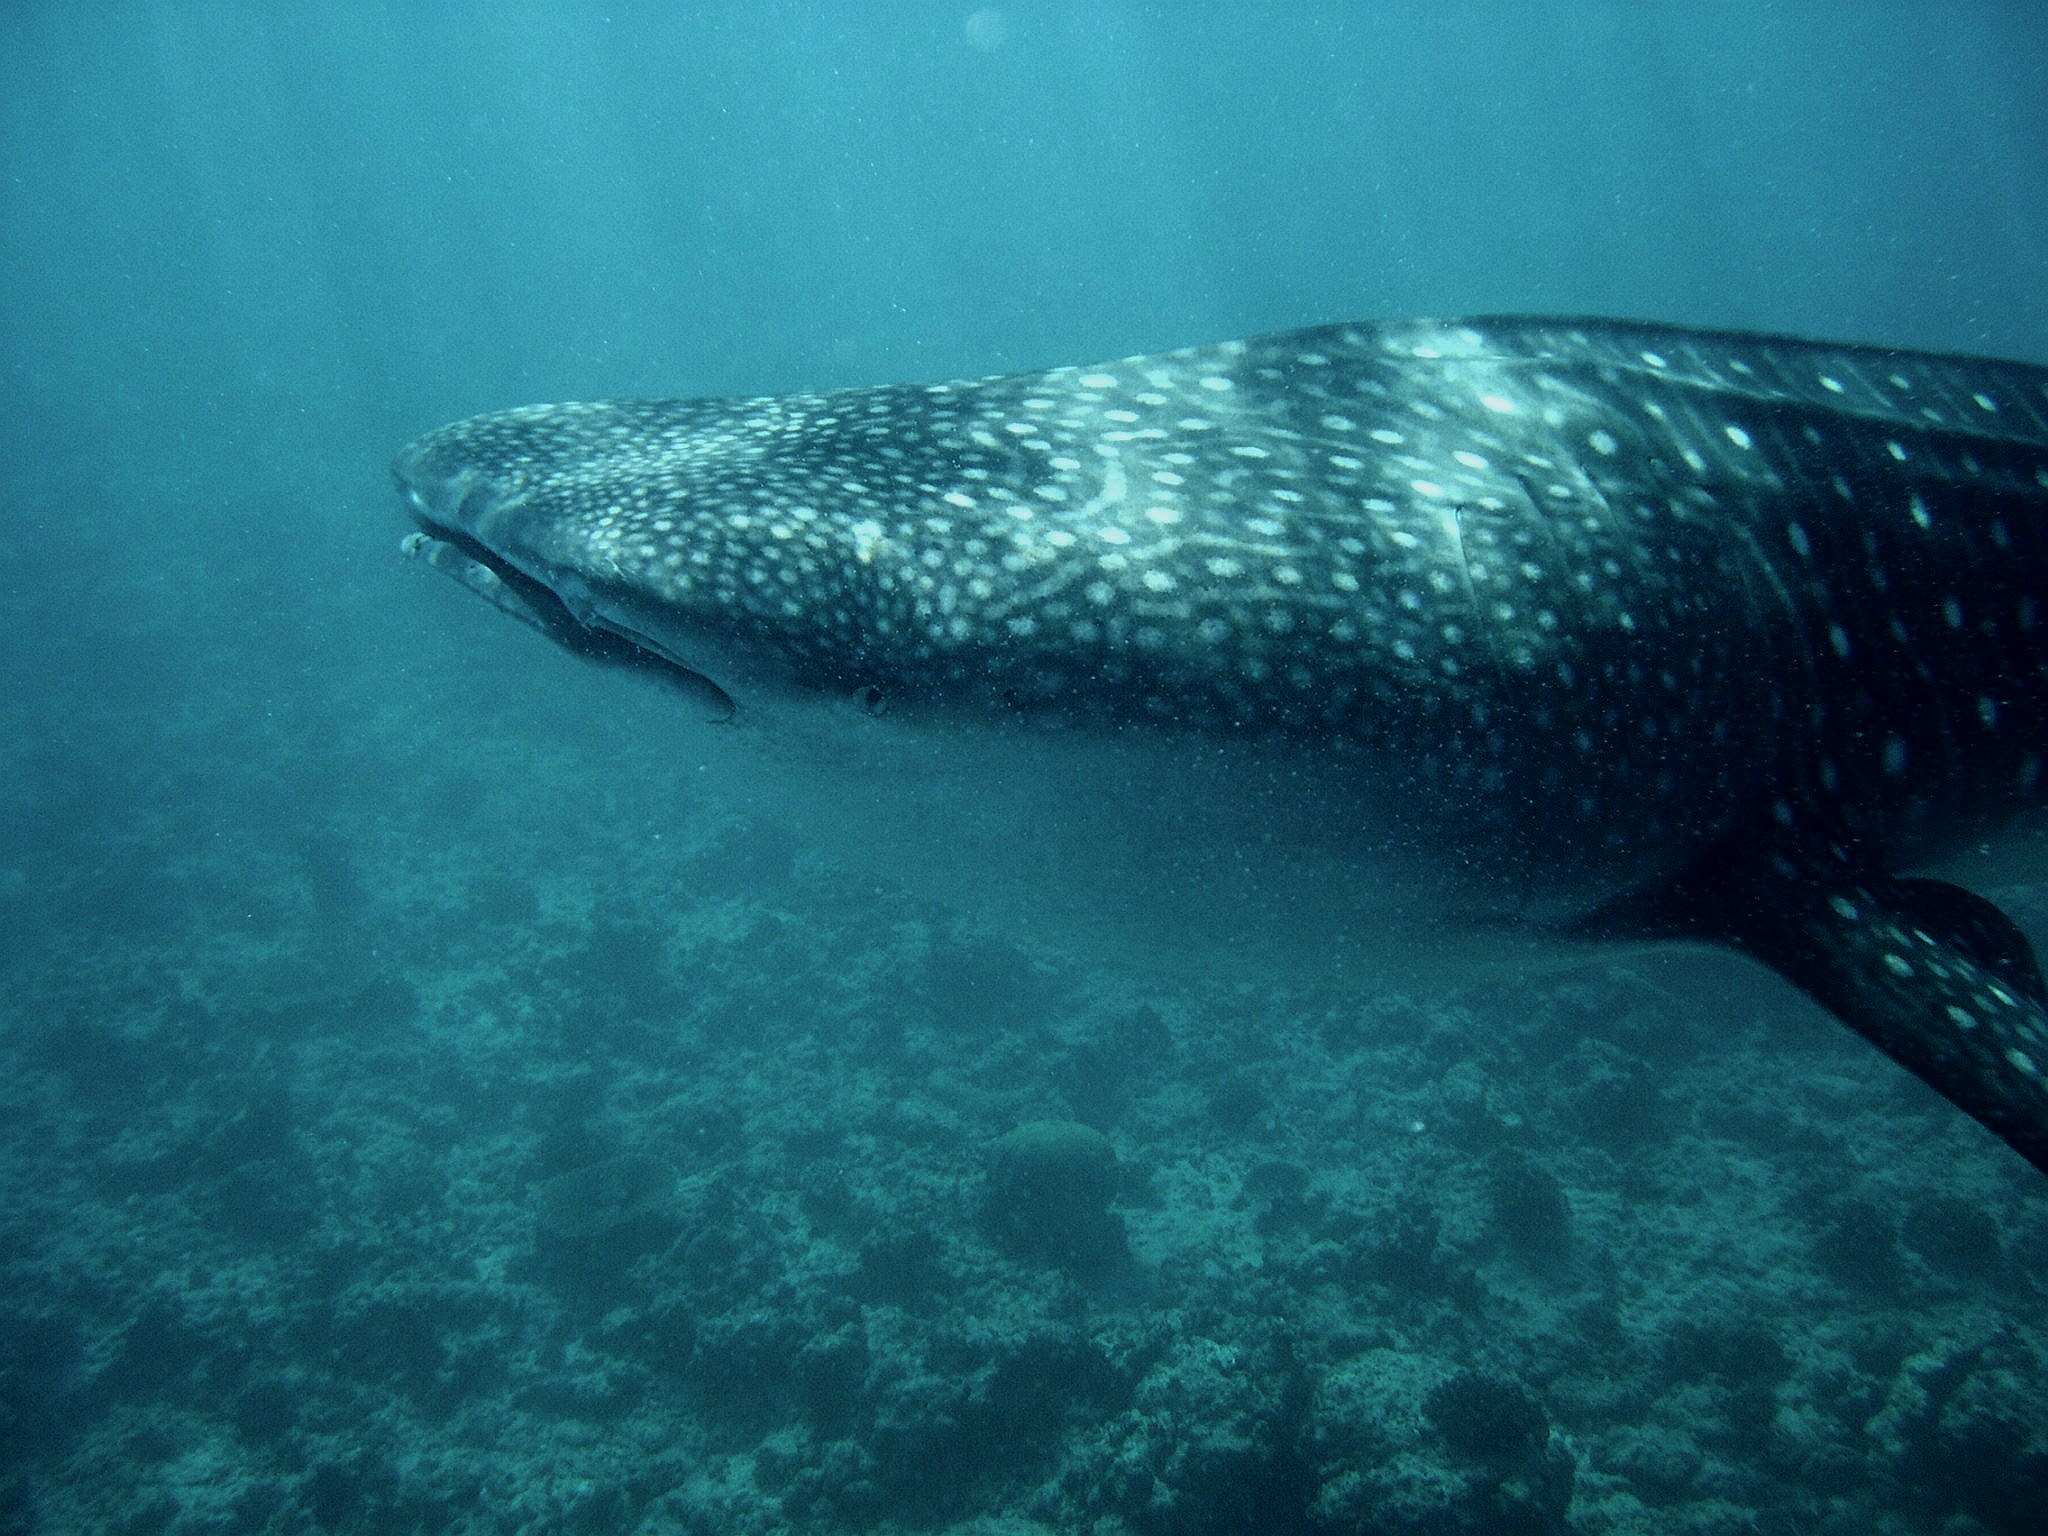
(1048, 1192)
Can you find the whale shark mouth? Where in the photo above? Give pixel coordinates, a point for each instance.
(593, 633)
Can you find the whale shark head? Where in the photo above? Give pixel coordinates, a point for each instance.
(597, 524)
(1251, 541)
(1635, 632)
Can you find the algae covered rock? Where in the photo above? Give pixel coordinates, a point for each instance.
(1396, 1445)
(596, 1201)
(1048, 1193)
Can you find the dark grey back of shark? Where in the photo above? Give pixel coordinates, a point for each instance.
(1660, 632)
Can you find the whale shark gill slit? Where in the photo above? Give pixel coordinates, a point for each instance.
(1620, 631)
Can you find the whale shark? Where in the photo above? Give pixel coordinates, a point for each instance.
(1573, 631)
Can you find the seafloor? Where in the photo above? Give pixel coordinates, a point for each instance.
(419, 1117)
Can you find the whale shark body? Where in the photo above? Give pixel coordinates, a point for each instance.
(1603, 631)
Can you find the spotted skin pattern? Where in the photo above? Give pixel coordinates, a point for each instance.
(1672, 632)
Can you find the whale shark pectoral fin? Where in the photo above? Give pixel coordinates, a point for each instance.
(1935, 976)
(1979, 929)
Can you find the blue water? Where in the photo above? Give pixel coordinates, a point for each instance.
(426, 1105)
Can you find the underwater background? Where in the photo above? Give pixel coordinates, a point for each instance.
(440, 1092)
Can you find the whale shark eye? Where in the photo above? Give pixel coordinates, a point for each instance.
(871, 699)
